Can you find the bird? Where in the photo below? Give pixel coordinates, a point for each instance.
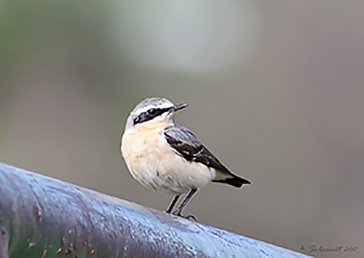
(166, 157)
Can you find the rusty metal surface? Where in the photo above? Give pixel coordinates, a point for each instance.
(45, 217)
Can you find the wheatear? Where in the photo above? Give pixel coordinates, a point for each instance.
(164, 156)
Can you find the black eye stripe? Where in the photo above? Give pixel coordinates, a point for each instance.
(149, 115)
(152, 111)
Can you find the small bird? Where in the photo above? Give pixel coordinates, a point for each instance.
(164, 156)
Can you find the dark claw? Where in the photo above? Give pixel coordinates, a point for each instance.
(189, 217)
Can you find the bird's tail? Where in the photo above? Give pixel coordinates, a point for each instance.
(230, 179)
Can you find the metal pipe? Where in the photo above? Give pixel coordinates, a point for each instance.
(45, 217)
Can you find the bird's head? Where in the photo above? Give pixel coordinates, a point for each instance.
(153, 111)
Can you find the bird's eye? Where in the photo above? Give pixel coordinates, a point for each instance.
(151, 111)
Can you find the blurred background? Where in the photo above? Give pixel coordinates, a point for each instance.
(275, 90)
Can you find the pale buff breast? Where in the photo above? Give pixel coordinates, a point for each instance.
(156, 166)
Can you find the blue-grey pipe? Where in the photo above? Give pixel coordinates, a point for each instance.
(45, 217)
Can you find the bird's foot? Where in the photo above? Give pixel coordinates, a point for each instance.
(189, 217)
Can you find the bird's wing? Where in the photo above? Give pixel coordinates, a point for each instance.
(185, 143)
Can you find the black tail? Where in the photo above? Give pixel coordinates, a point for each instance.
(234, 181)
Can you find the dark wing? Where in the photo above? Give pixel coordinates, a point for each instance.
(185, 143)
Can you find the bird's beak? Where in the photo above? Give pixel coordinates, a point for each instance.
(179, 107)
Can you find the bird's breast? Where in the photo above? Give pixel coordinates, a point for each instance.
(153, 163)
(143, 144)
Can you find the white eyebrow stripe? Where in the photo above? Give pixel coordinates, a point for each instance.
(146, 108)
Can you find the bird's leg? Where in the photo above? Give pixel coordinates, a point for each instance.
(174, 200)
(185, 201)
